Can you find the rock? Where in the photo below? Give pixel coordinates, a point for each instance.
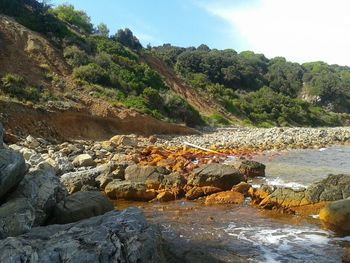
(80, 206)
(12, 170)
(1, 136)
(17, 216)
(108, 146)
(242, 188)
(32, 142)
(88, 188)
(197, 192)
(74, 181)
(173, 180)
(151, 175)
(43, 190)
(10, 138)
(216, 175)
(127, 190)
(113, 237)
(63, 165)
(83, 160)
(251, 168)
(166, 196)
(123, 140)
(152, 139)
(228, 197)
(336, 216)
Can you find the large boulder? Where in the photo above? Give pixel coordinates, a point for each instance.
(336, 216)
(113, 237)
(151, 175)
(12, 170)
(74, 181)
(43, 189)
(128, 190)
(16, 217)
(306, 201)
(84, 160)
(216, 175)
(81, 205)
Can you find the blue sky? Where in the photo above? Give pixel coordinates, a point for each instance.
(299, 30)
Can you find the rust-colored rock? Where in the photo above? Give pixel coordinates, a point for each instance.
(228, 197)
(166, 196)
(197, 192)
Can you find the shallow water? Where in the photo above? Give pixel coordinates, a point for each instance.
(254, 234)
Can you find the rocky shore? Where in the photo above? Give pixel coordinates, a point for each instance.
(59, 194)
(263, 139)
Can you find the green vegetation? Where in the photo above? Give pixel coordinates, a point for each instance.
(260, 91)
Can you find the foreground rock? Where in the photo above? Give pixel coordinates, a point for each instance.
(113, 237)
(12, 170)
(80, 206)
(83, 160)
(227, 197)
(307, 201)
(336, 216)
(216, 175)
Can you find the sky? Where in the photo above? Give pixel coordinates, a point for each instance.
(300, 30)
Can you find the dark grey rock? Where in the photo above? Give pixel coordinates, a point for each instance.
(146, 174)
(81, 205)
(217, 175)
(113, 237)
(128, 190)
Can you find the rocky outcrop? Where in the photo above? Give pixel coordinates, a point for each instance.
(43, 190)
(81, 205)
(310, 200)
(336, 216)
(113, 237)
(74, 181)
(128, 190)
(13, 168)
(216, 175)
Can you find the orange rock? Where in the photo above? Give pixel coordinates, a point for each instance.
(242, 188)
(166, 196)
(228, 197)
(197, 192)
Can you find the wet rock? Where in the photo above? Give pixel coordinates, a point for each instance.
(113, 237)
(74, 181)
(12, 170)
(336, 216)
(216, 175)
(242, 188)
(81, 205)
(43, 190)
(228, 197)
(17, 216)
(196, 192)
(151, 175)
(128, 190)
(251, 168)
(83, 160)
(166, 196)
(173, 180)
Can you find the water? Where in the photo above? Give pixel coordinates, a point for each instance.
(231, 233)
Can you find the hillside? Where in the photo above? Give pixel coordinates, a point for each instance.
(57, 69)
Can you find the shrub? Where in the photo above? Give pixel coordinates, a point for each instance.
(92, 73)
(15, 86)
(75, 56)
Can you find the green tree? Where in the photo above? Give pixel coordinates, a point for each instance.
(127, 38)
(103, 30)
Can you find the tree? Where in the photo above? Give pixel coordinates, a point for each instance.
(103, 30)
(74, 17)
(127, 38)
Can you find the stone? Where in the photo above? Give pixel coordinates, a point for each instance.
(251, 168)
(109, 146)
(227, 197)
(197, 192)
(74, 181)
(32, 142)
(1, 136)
(17, 216)
(81, 205)
(83, 160)
(336, 216)
(216, 175)
(127, 190)
(166, 196)
(151, 175)
(12, 170)
(242, 188)
(10, 138)
(63, 165)
(123, 140)
(43, 189)
(173, 180)
(113, 237)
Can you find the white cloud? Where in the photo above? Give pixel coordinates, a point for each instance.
(300, 30)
